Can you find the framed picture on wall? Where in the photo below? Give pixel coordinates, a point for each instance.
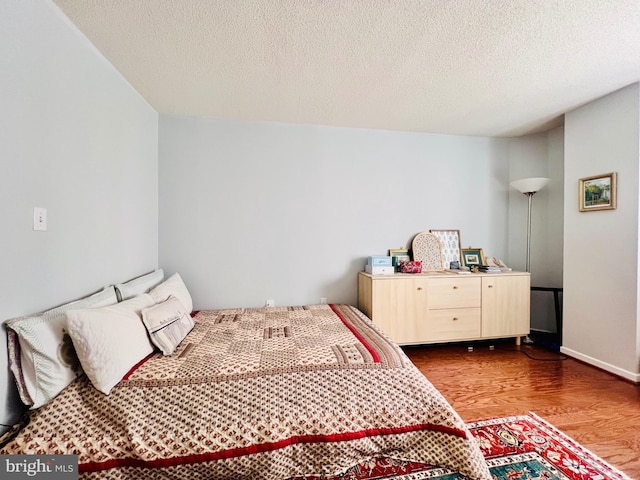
(450, 240)
(472, 257)
(597, 192)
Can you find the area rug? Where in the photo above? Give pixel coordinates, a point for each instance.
(519, 447)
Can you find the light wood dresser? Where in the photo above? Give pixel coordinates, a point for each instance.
(437, 307)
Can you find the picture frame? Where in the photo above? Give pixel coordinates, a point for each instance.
(598, 192)
(472, 257)
(399, 255)
(450, 240)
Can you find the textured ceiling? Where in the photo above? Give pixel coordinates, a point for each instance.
(466, 67)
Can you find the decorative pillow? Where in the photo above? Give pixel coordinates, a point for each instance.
(173, 286)
(167, 323)
(139, 285)
(41, 355)
(110, 340)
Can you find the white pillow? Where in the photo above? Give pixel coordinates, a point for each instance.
(110, 340)
(139, 285)
(173, 286)
(167, 323)
(42, 358)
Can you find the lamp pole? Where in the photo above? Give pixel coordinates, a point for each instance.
(528, 264)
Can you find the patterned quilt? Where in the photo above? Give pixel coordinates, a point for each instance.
(268, 393)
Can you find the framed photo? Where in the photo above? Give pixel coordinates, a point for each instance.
(398, 255)
(472, 256)
(450, 240)
(598, 192)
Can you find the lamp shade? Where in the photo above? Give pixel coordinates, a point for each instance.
(530, 185)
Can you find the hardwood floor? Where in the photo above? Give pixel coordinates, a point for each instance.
(597, 409)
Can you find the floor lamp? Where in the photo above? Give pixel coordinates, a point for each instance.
(529, 186)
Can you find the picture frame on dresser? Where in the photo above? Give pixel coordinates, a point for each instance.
(398, 256)
(472, 257)
(451, 245)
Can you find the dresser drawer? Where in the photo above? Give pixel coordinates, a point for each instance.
(454, 292)
(453, 324)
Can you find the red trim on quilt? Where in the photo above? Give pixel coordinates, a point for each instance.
(266, 447)
(374, 354)
(137, 365)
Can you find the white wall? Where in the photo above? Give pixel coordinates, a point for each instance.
(601, 247)
(551, 257)
(79, 141)
(540, 155)
(528, 159)
(257, 210)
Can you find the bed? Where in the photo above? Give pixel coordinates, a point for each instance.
(269, 393)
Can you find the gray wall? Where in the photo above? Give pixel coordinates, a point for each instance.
(540, 155)
(78, 140)
(257, 210)
(601, 247)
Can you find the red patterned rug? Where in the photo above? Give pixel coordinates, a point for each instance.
(516, 448)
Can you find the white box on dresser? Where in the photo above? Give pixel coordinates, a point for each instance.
(379, 269)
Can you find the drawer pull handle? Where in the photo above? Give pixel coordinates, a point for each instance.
(419, 288)
(455, 287)
(455, 318)
(489, 286)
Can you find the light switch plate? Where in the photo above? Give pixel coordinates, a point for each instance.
(39, 218)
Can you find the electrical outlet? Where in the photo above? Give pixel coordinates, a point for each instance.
(323, 300)
(269, 302)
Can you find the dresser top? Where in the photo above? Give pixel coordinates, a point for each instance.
(446, 273)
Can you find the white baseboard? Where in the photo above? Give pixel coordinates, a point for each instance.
(634, 377)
